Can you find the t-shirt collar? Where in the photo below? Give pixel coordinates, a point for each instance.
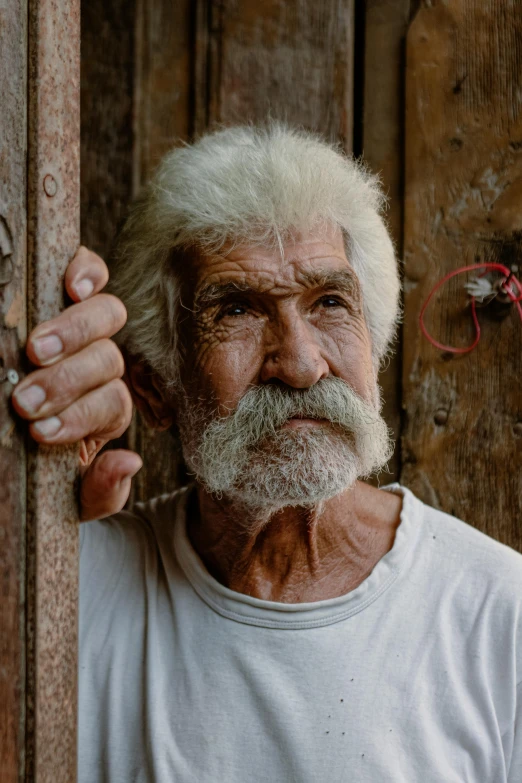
(271, 614)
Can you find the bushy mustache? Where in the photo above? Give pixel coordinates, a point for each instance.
(263, 410)
(247, 452)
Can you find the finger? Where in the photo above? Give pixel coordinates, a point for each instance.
(99, 416)
(86, 275)
(106, 483)
(50, 391)
(76, 327)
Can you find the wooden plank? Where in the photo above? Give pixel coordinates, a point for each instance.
(386, 24)
(136, 104)
(52, 524)
(462, 439)
(106, 96)
(163, 92)
(163, 108)
(13, 154)
(290, 61)
(108, 49)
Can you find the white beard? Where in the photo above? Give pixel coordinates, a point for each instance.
(248, 457)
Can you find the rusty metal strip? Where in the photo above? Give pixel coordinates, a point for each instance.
(52, 542)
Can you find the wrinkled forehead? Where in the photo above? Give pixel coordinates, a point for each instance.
(303, 261)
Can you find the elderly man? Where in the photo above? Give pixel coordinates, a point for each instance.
(278, 619)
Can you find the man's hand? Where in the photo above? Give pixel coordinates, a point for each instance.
(78, 394)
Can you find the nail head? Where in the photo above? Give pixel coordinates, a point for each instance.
(50, 185)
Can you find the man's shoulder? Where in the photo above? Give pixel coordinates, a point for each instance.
(125, 556)
(131, 534)
(460, 546)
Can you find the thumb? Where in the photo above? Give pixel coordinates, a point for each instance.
(106, 483)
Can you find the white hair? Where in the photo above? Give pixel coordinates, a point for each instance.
(253, 185)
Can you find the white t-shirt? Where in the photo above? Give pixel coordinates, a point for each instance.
(410, 678)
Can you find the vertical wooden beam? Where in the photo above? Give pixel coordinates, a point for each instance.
(290, 61)
(163, 110)
(108, 64)
(386, 23)
(39, 222)
(52, 541)
(106, 90)
(13, 330)
(162, 82)
(462, 440)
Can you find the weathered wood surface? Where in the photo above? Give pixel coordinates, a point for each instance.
(289, 61)
(462, 441)
(106, 90)
(136, 104)
(13, 155)
(109, 50)
(386, 24)
(163, 83)
(164, 118)
(52, 522)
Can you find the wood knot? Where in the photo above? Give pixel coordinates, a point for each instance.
(441, 417)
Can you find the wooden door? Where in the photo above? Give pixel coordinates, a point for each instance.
(462, 437)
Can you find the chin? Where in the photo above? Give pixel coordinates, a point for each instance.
(299, 466)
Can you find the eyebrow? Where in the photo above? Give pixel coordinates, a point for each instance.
(213, 293)
(344, 280)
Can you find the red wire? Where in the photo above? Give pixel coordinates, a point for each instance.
(507, 288)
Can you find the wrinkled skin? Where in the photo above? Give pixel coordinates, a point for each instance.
(256, 318)
(301, 321)
(82, 386)
(291, 327)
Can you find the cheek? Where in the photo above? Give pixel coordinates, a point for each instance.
(348, 351)
(226, 361)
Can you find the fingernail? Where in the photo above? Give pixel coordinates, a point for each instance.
(47, 347)
(84, 288)
(31, 398)
(48, 427)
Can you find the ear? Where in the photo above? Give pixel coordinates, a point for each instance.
(148, 393)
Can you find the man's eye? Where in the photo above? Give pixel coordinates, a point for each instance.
(233, 310)
(330, 301)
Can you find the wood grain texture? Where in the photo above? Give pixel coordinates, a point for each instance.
(106, 103)
(164, 117)
(290, 61)
(13, 218)
(462, 442)
(163, 82)
(386, 24)
(136, 95)
(108, 52)
(53, 198)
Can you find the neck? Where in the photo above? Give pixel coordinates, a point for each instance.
(295, 554)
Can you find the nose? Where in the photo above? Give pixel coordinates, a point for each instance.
(293, 355)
